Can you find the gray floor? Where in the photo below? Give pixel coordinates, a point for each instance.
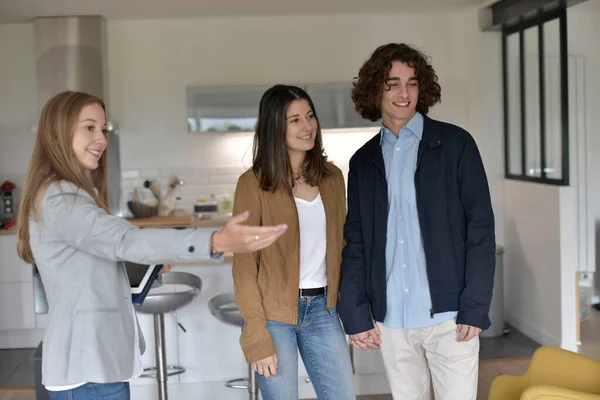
(511, 345)
(16, 366)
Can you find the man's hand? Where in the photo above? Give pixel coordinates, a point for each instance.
(466, 332)
(370, 339)
(238, 238)
(166, 268)
(266, 367)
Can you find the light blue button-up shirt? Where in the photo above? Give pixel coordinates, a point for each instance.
(408, 298)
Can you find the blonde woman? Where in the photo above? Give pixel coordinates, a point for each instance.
(92, 344)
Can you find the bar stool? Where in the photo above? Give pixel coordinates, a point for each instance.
(225, 309)
(158, 303)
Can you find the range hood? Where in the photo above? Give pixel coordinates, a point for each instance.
(70, 54)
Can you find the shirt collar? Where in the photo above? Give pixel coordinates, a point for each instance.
(414, 126)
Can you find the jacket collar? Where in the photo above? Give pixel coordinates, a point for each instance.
(432, 133)
(432, 137)
(414, 126)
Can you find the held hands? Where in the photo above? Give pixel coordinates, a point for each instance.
(370, 339)
(266, 367)
(466, 332)
(238, 238)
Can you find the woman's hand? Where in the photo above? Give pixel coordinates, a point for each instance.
(236, 237)
(166, 268)
(266, 367)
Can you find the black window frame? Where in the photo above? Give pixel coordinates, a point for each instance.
(519, 27)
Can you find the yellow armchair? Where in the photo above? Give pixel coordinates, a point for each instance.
(553, 374)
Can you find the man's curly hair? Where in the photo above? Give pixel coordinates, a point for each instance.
(369, 85)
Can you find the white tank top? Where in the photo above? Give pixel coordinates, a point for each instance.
(313, 242)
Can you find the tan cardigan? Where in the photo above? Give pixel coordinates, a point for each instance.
(267, 282)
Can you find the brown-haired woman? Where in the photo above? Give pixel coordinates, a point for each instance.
(287, 293)
(92, 343)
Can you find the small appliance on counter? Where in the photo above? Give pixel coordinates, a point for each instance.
(205, 209)
(214, 208)
(7, 206)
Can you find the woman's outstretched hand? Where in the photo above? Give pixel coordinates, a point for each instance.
(236, 237)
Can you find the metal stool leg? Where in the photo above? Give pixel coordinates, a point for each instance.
(161, 371)
(252, 383)
(161, 356)
(239, 383)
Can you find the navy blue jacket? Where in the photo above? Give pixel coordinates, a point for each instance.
(457, 225)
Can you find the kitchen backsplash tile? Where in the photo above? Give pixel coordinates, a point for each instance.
(221, 177)
(199, 183)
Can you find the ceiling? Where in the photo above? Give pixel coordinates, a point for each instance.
(26, 10)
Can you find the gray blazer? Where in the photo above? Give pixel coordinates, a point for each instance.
(89, 334)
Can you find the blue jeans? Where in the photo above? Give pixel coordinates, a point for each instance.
(324, 350)
(94, 391)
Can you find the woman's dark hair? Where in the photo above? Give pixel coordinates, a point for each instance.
(370, 83)
(271, 161)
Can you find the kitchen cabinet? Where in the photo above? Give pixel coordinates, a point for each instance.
(223, 108)
(334, 106)
(12, 268)
(16, 288)
(235, 108)
(16, 306)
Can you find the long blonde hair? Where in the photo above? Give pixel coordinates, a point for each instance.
(53, 160)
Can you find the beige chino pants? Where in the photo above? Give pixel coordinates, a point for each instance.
(417, 359)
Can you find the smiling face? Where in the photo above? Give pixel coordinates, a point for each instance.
(89, 138)
(301, 127)
(400, 96)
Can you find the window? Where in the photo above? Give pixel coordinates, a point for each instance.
(536, 125)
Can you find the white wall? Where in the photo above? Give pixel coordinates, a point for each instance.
(539, 260)
(532, 260)
(583, 29)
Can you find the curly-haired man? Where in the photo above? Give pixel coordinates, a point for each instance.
(418, 266)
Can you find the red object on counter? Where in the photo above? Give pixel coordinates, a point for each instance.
(8, 185)
(11, 223)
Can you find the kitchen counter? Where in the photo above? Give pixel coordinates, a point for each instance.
(184, 221)
(179, 221)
